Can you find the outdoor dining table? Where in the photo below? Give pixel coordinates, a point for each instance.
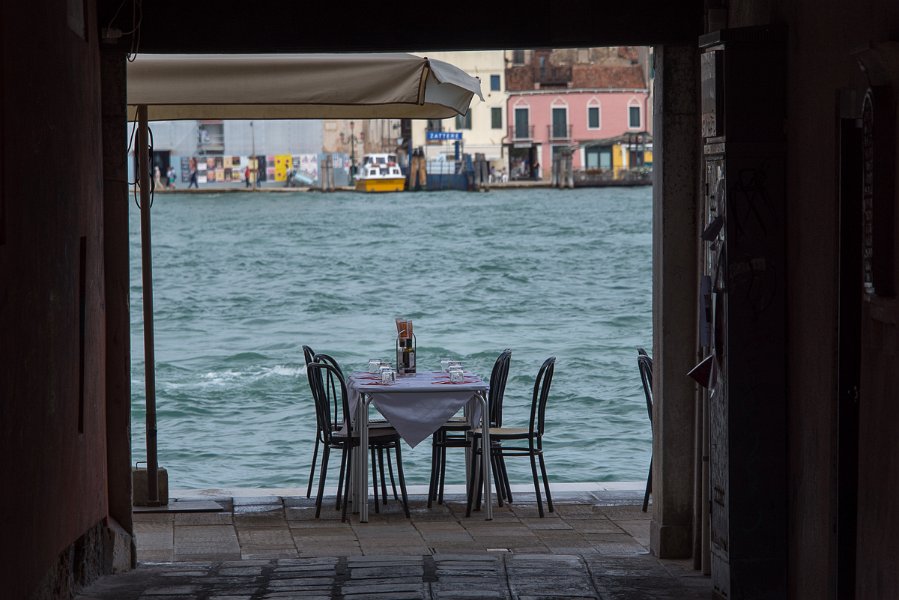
(416, 405)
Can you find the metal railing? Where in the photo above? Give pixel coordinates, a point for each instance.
(556, 134)
(517, 134)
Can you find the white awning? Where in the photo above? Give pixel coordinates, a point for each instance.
(298, 86)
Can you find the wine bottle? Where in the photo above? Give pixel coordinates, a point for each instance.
(410, 356)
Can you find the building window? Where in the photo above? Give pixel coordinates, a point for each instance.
(496, 117)
(210, 137)
(592, 117)
(494, 83)
(435, 125)
(599, 158)
(463, 121)
(522, 128)
(560, 123)
(517, 57)
(633, 119)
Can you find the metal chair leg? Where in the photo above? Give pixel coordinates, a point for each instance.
(435, 452)
(392, 481)
(536, 485)
(348, 453)
(326, 451)
(442, 459)
(473, 476)
(648, 486)
(497, 479)
(374, 479)
(399, 471)
(502, 464)
(312, 468)
(383, 479)
(549, 498)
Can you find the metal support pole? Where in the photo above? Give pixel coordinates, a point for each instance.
(143, 161)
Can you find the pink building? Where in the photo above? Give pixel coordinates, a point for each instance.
(596, 105)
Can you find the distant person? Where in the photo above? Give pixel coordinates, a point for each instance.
(246, 176)
(536, 172)
(172, 177)
(193, 175)
(157, 177)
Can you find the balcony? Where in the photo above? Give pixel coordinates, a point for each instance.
(519, 133)
(558, 134)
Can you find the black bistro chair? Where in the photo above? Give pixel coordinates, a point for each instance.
(510, 441)
(309, 356)
(454, 434)
(329, 388)
(644, 363)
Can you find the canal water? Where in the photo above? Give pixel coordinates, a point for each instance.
(243, 280)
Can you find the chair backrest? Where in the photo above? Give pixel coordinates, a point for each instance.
(308, 354)
(330, 383)
(328, 388)
(541, 393)
(498, 378)
(644, 363)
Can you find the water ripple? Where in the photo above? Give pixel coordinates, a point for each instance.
(242, 281)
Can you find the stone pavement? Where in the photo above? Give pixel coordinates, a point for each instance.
(272, 547)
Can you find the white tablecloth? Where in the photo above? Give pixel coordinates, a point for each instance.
(418, 404)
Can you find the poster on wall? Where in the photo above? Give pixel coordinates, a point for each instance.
(185, 169)
(308, 165)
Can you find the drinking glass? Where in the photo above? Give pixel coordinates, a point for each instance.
(453, 363)
(388, 375)
(456, 375)
(374, 364)
(444, 364)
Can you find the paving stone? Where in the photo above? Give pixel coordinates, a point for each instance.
(387, 571)
(583, 550)
(375, 588)
(204, 518)
(638, 529)
(450, 594)
(171, 590)
(243, 570)
(383, 560)
(255, 500)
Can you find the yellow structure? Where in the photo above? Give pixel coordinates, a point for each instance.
(283, 165)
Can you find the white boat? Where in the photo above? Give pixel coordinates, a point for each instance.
(380, 173)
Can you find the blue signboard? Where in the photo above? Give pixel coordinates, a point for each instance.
(444, 135)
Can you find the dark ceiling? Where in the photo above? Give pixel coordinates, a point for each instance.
(169, 26)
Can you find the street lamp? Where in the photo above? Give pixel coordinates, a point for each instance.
(253, 157)
(352, 152)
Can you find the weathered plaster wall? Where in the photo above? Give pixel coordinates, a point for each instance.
(822, 39)
(52, 384)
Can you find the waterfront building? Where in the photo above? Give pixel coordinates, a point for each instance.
(222, 149)
(354, 138)
(592, 102)
(482, 129)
